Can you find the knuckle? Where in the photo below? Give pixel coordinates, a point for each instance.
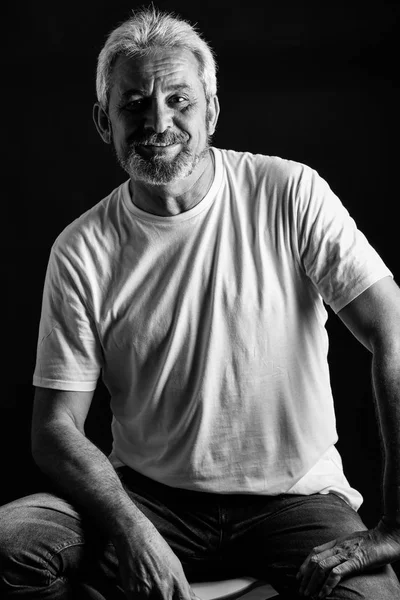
(322, 565)
(336, 571)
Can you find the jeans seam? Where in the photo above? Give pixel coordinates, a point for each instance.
(49, 556)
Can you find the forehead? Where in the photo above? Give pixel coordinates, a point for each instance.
(163, 67)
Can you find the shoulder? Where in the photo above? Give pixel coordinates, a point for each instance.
(93, 226)
(258, 168)
(280, 181)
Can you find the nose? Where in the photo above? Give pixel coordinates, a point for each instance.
(158, 116)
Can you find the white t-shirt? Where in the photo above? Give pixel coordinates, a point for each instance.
(209, 327)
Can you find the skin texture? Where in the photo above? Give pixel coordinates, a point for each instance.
(156, 113)
(147, 565)
(160, 97)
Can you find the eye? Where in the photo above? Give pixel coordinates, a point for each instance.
(179, 101)
(135, 105)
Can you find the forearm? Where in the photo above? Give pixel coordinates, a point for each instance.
(386, 379)
(86, 477)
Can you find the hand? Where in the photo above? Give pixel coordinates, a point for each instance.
(149, 568)
(328, 564)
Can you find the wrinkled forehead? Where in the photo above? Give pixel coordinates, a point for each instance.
(171, 66)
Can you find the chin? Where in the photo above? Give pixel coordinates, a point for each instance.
(155, 179)
(160, 171)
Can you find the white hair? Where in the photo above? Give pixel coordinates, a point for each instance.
(148, 29)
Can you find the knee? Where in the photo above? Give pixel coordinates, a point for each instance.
(17, 536)
(29, 536)
(12, 521)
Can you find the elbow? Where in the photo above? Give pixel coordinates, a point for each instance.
(41, 448)
(49, 443)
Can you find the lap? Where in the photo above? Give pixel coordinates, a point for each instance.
(214, 536)
(266, 537)
(289, 527)
(287, 533)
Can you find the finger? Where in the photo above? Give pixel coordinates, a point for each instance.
(179, 595)
(316, 560)
(306, 573)
(193, 596)
(318, 577)
(183, 591)
(317, 550)
(337, 574)
(316, 564)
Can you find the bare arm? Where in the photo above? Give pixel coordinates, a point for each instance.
(374, 319)
(87, 478)
(82, 472)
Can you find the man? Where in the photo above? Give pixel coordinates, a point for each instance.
(196, 289)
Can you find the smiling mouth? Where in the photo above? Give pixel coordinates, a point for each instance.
(158, 145)
(152, 149)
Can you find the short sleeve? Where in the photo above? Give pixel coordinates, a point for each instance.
(335, 254)
(68, 352)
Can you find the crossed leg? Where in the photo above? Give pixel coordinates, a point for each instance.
(49, 551)
(47, 548)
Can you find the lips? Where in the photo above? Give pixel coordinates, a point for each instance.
(151, 149)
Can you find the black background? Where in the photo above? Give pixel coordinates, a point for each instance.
(316, 82)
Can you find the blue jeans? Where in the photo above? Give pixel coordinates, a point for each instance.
(49, 550)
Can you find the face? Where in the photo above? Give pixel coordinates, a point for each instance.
(158, 118)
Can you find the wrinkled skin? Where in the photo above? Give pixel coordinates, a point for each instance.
(359, 552)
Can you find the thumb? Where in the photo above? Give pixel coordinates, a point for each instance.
(193, 595)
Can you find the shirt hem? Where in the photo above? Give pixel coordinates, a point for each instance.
(69, 386)
(359, 289)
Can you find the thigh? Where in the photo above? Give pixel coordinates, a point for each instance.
(46, 547)
(46, 542)
(293, 525)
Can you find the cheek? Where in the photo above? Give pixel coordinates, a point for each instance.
(119, 143)
(201, 128)
(123, 128)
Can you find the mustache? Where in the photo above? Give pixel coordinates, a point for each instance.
(167, 137)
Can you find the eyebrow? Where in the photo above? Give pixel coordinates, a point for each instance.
(171, 88)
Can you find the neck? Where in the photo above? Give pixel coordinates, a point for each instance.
(174, 198)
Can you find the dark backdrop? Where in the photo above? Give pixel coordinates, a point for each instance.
(314, 82)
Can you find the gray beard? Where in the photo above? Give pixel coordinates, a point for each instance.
(158, 170)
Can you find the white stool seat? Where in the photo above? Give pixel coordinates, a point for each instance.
(243, 588)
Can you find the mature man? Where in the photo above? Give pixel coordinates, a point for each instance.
(197, 289)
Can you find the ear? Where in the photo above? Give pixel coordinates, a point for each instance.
(102, 122)
(213, 114)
